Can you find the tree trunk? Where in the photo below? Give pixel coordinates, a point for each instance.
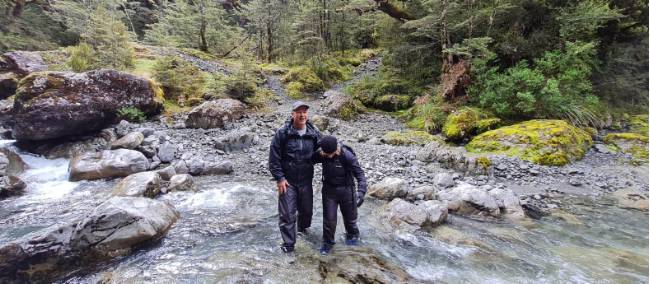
(203, 46)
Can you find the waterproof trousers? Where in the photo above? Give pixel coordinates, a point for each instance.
(333, 197)
(296, 204)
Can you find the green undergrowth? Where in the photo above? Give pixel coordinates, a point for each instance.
(386, 91)
(409, 137)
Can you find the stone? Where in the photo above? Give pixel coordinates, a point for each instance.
(11, 186)
(183, 182)
(51, 105)
(237, 140)
(129, 141)
(426, 192)
(218, 168)
(11, 163)
(143, 184)
(181, 167)
(445, 180)
(360, 265)
(114, 228)
(8, 84)
(389, 188)
(22, 62)
(322, 123)
(107, 164)
(631, 199)
(469, 200)
(166, 152)
(339, 105)
(436, 212)
(215, 114)
(506, 199)
(167, 172)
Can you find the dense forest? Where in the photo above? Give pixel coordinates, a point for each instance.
(582, 61)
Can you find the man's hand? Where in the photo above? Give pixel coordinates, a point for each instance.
(359, 199)
(282, 186)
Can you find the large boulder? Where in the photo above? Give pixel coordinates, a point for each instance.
(237, 140)
(455, 158)
(340, 105)
(546, 142)
(114, 228)
(8, 84)
(214, 114)
(183, 182)
(56, 104)
(107, 164)
(405, 216)
(360, 265)
(473, 201)
(129, 141)
(389, 188)
(146, 184)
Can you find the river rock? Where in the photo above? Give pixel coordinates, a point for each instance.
(218, 168)
(129, 141)
(455, 158)
(6, 108)
(426, 192)
(630, 198)
(445, 180)
(214, 114)
(145, 184)
(8, 84)
(107, 164)
(506, 199)
(11, 186)
(11, 163)
(57, 104)
(436, 212)
(166, 152)
(166, 173)
(469, 200)
(114, 228)
(360, 265)
(403, 215)
(237, 140)
(322, 123)
(180, 167)
(183, 182)
(389, 188)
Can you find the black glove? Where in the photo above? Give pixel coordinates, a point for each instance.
(359, 199)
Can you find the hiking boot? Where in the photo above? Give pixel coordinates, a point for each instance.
(352, 241)
(325, 249)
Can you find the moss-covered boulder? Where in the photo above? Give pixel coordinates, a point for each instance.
(410, 137)
(546, 142)
(639, 124)
(632, 143)
(466, 122)
(340, 105)
(302, 80)
(50, 105)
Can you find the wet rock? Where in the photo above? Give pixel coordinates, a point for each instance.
(11, 163)
(566, 217)
(403, 215)
(630, 198)
(237, 140)
(436, 212)
(8, 84)
(129, 141)
(360, 265)
(455, 158)
(144, 184)
(166, 152)
(181, 167)
(602, 148)
(107, 164)
(218, 168)
(183, 182)
(426, 192)
(507, 200)
(167, 172)
(389, 188)
(214, 114)
(57, 104)
(469, 200)
(11, 186)
(195, 166)
(6, 108)
(114, 228)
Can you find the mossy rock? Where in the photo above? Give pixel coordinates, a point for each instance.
(639, 124)
(466, 122)
(410, 137)
(545, 142)
(294, 90)
(392, 102)
(309, 80)
(632, 143)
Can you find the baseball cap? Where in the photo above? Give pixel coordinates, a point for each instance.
(298, 104)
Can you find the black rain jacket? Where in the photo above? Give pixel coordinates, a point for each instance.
(340, 170)
(290, 154)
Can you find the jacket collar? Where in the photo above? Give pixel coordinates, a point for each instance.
(311, 130)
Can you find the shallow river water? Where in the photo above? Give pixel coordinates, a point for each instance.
(228, 233)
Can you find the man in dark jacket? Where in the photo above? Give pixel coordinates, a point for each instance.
(340, 167)
(290, 164)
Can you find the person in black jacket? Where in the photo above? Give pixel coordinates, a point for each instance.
(340, 167)
(290, 164)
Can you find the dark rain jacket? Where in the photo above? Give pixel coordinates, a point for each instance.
(290, 154)
(340, 170)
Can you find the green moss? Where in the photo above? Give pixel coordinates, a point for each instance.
(409, 137)
(546, 142)
(306, 77)
(639, 124)
(295, 90)
(484, 162)
(392, 102)
(612, 137)
(632, 143)
(143, 67)
(466, 122)
(199, 54)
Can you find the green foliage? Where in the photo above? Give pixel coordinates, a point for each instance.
(466, 122)
(33, 29)
(556, 86)
(132, 114)
(180, 80)
(243, 84)
(109, 37)
(409, 137)
(302, 80)
(82, 58)
(387, 91)
(582, 20)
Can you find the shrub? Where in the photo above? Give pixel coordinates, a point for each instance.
(82, 57)
(132, 114)
(179, 79)
(387, 91)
